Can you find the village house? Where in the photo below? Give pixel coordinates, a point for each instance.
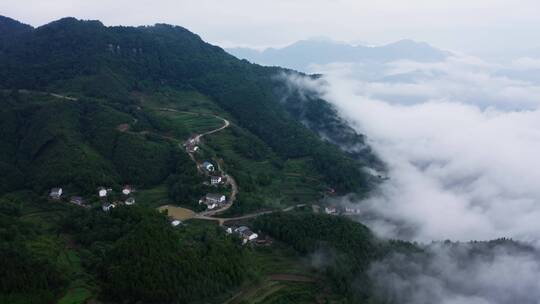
(176, 223)
(77, 200)
(213, 200)
(56, 193)
(216, 180)
(350, 210)
(330, 210)
(130, 201)
(127, 190)
(102, 192)
(208, 166)
(246, 234)
(193, 149)
(107, 207)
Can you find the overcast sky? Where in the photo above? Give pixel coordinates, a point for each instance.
(462, 25)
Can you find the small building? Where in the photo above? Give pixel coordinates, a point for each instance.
(176, 223)
(107, 207)
(330, 210)
(216, 180)
(127, 190)
(130, 201)
(102, 192)
(209, 205)
(215, 198)
(208, 166)
(350, 210)
(193, 149)
(246, 234)
(77, 200)
(56, 193)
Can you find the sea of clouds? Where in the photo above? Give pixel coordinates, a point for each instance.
(461, 139)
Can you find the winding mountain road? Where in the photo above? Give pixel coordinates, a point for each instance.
(230, 180)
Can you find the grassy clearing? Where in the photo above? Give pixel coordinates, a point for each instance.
(178, 213)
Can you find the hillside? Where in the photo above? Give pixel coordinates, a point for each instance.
(87, 59)
(87, 106)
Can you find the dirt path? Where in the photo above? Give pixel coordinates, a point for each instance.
(291, 278)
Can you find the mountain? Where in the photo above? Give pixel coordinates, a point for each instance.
(300, 55)
(91, 61)
(84, 105)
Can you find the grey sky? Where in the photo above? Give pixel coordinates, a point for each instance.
(462, 25)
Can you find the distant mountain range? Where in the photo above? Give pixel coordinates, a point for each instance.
(300, 55)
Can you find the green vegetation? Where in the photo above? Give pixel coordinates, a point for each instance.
(345, 248)
(89, 59)
(108, 125)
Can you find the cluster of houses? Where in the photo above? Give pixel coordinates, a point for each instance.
(192, 145)
(103, 193)
(127, 199)
(243, 232)
(333, 210)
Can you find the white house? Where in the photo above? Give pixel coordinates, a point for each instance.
(209, 205)
(107, 207)
(330, 210)
(176, 223)
(102, 192)
(130, 201)
(56, 193)
(193, 149)
(352, 210)
(127, 190)
(216, 179)
(215, 198)
(246, 234)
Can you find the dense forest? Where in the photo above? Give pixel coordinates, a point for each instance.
(79, 111)
(344, 249)
(86, 58)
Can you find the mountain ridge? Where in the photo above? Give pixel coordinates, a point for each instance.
(303, 53)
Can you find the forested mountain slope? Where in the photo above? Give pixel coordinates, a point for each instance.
(86, 58)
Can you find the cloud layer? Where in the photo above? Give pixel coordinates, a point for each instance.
(460, 274)
(462, 154)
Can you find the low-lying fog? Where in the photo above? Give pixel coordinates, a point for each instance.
(461, 139)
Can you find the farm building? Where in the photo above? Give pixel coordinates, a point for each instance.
(56, 193)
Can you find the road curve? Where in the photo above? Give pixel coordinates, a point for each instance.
(230, 180)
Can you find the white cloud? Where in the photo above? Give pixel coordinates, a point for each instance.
(526, 63)
(460, 274)
(463, 156)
